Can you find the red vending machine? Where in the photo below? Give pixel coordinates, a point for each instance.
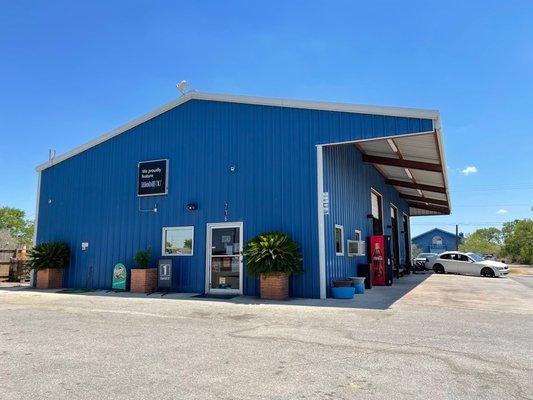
(380, 260)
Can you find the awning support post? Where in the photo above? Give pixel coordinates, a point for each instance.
(321, 228)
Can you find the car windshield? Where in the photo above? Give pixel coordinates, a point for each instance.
(476, 257)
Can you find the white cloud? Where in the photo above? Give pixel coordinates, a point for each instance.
(501, 211)
(469, 170)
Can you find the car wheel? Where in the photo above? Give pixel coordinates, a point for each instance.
(439, 269)
(487, 272)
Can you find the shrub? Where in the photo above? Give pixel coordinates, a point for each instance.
(271, 253)
(49, 255)
(142, 258)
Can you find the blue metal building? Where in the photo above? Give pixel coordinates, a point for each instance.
(237, 166)
(437, 241)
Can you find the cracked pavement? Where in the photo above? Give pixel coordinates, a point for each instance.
(434, 336)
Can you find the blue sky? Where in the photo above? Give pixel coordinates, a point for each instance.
(70, 71)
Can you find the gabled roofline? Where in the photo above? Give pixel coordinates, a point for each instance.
(431, 230)
(264, 101)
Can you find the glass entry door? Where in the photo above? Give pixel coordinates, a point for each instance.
(224, 258)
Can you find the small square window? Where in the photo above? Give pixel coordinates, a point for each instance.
(178, 241)
(357, 235)
(339, 240)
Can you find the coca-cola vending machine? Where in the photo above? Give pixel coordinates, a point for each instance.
(380, 260)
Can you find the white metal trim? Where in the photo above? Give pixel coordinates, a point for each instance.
(378, 138)
(341, 227)
(321, 217)
(167, 228)
(210, 226)
(321, 105)
(440, 141)
(356, 231)
(304, 104)
(382, 210)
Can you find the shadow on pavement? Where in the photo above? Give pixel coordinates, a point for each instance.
(377, 298)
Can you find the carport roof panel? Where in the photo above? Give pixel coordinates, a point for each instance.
(414, 165)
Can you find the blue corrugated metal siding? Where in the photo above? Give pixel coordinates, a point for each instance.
(424, 241)
(91, 197)
(348, 180)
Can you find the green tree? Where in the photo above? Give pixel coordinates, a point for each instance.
(14, 221)
(518, 240)
(415, 250)
(483, 241)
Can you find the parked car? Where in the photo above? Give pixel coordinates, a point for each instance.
(456, 262)
(420, 261)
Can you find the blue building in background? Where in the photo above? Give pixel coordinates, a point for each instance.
(194, 180)
(437, 241)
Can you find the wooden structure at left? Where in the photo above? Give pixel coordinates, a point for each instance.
(13, 265)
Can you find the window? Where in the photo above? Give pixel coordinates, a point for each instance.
(178, 241)
(436, 241)
(357, 235)
(446, 256)
(377, 223)
(339, 240)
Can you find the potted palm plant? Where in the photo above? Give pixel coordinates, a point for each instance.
(49, 260)
(273, 256)
(143, 278)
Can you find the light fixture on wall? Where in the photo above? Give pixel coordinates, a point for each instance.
(192, 207)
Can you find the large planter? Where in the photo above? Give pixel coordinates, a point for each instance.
(50, 278)
(342, 292)
(274, 286)
(341, 283)
(143, 280)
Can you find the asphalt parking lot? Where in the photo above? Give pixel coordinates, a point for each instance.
(429, 336)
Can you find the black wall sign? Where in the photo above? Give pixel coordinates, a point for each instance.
(165, 274)
(152, 178)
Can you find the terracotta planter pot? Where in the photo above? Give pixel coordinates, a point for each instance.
(50, 278)
(342, 283)
(274, 287)
(143, 280)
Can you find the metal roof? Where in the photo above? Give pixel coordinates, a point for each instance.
(274, 102)
(414, 164)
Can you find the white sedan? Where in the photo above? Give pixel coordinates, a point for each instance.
(455, 262)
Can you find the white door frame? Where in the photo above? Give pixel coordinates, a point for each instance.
(209, 229)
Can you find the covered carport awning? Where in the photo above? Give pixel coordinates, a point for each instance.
(414, 165)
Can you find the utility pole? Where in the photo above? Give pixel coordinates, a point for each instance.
(456, 237)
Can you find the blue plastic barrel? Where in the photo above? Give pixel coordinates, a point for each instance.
(345, 292)
(359, 288)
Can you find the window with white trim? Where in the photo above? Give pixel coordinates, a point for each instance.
(178, 241)
(357, 235)
(339, 240)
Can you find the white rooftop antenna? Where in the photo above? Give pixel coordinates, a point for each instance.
(182, 87)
